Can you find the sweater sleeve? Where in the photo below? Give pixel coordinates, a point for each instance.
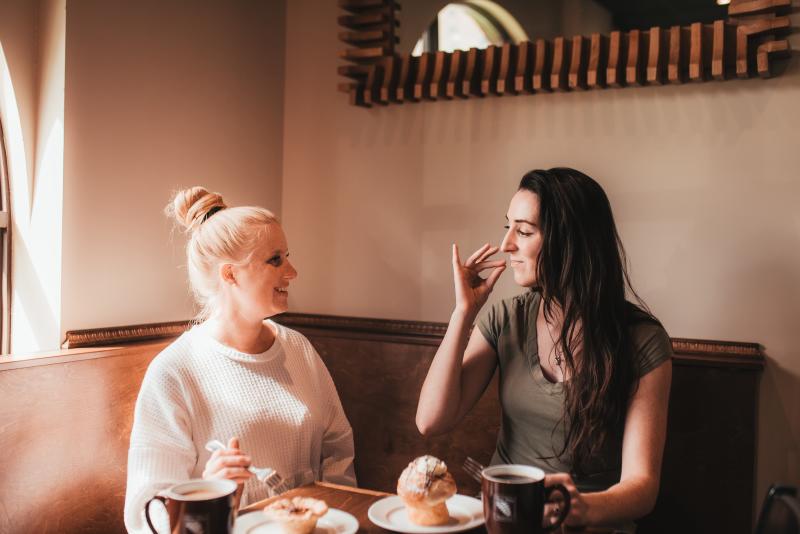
(161, 450)
(337, 441)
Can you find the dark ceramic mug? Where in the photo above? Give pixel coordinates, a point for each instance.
(198, 507)
(514, 497)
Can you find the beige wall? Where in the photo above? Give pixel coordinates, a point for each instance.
(703, 180)
(160, 95)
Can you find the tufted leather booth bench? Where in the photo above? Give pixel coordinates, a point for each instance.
(65, 422)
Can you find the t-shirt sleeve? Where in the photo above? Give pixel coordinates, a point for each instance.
(492, 323)
(652, 347)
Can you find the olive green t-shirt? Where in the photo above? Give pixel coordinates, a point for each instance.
(532, 432)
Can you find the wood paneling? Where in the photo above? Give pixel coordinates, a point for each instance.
(712, 420)
(73, 411)
(65, 430)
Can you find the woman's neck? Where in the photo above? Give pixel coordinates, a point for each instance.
(553, 323)
(233, 330)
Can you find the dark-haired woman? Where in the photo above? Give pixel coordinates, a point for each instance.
(584, 373)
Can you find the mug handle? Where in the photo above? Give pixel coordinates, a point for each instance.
(564, 511)
(147, 511)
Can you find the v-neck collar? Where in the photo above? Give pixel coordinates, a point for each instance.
(532, 350)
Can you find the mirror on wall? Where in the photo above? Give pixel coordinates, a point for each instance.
(417, 50)
(448, 26)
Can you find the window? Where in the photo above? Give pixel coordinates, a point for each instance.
(5, 251)
(469, 24)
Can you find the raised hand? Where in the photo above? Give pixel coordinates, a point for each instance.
(228, 463)
(472, 290)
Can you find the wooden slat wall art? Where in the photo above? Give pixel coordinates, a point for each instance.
(458, 65)
(368, 27)
(744, 46)
(598, 61)
(542, 66)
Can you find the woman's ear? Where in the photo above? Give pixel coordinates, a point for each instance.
(226, 274)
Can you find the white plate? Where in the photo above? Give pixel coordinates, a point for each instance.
(390, 513)
(334, 522)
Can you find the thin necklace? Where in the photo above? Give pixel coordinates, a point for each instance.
(558, 356)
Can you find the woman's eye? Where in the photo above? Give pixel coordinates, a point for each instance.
(506, 227)
(275, 260)
(524, 234)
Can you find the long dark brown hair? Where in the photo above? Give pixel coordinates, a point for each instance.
(582, 270)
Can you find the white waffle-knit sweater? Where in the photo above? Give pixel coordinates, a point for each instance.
(281, 404)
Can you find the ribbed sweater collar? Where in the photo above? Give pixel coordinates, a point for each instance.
(200, 332)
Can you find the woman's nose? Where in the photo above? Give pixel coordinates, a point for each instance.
(508, 242)
(291, 272)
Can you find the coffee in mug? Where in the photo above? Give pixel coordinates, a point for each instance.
(198, 507)
(514, 497)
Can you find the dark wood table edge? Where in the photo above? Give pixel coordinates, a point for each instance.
(379, 495)
(292, 492)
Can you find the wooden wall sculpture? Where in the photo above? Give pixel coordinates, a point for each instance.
(742, 46)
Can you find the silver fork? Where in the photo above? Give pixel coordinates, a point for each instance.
(473, 468)
(266, 475)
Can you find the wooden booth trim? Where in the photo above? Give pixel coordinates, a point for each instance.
(742, 46)
(115, 335)
(687, 351)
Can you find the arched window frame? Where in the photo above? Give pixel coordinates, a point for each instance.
(497, 24)
(5, 250)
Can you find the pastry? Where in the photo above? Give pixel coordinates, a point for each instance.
(424, 486)
(297, 515)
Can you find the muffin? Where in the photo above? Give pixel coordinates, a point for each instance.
(297, 515)
(424, 486)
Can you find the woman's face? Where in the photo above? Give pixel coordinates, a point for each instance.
(523, 240)
(261, 287)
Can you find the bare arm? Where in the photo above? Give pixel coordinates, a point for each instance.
(642, 450)
(462, 368)
(452, 387)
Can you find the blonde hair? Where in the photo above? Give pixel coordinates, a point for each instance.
(218, 234)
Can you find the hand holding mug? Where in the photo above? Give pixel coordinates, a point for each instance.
(578, 509)
(471, 289)
(228, 463)
(516, 500)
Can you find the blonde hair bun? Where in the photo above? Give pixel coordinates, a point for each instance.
(190, 207)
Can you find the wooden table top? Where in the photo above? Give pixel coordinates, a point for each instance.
(356, 501)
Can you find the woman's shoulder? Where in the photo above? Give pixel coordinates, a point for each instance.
(651, 342)
(507, 315)
(512, 306)
(167, 372)
(292, 340)
(175, 356)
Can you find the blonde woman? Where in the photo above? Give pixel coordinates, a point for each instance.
(236, 376)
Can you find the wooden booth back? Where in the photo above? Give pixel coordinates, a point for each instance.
(66, 422)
